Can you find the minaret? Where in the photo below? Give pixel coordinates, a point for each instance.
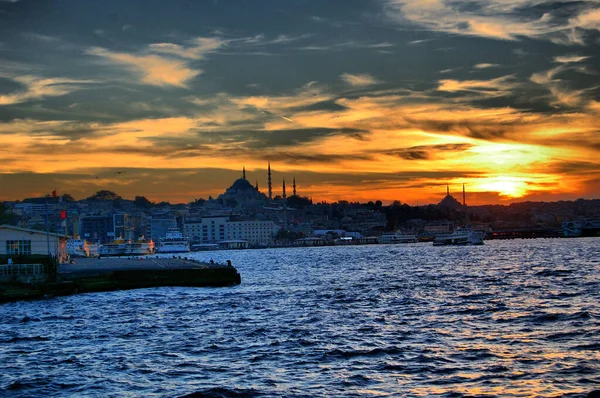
(284, 195)
(464, 200)
(294, 186)
(270, 190)
(285, 224)
(447, 190)
(244, 172)
(256, 187)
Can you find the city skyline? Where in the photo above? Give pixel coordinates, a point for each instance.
(357, 100)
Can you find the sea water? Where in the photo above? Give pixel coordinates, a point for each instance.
(509, 318)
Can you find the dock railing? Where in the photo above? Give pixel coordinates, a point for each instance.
(23, 272)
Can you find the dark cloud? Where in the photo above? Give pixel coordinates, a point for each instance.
(330, 106)
(579, 168)
(426, 152)
(574, 139)
(412, 155)
(9, 86)
(261, 139)
(492, 131)
(308, 159)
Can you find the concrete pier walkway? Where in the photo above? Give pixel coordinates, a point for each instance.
(110, 264)
(86, 275)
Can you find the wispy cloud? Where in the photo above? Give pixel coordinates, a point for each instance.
(359, 80)
(39, 87)
(152, 69)
(561, 93)
(501, 19)
(163, 64)
(485, 66)
(288, 39)
(197, 50)
(347, 45)
(495, 87)
(42, 38)
(567, 59)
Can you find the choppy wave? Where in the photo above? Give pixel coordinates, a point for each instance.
(509, 318)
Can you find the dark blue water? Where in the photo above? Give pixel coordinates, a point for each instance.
(510, 318)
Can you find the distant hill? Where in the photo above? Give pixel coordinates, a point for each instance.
(104, 195)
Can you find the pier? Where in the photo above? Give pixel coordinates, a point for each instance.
(87, 275)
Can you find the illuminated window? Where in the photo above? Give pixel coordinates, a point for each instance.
(15, 247)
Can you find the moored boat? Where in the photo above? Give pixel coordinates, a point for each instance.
(397, 237)
(115, 248)
(77, 248)
(173, 242)
(139, 247)
(460, 236)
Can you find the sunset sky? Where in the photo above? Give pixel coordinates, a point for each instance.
(358, 100)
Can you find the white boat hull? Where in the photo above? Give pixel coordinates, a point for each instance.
(461, 236)
(173, 249)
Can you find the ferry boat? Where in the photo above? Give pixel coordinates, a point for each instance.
(173, 242)
(93, 249)
(139, 247)
(115, 248)
(397, 237)
(77, 248)
(460, 236)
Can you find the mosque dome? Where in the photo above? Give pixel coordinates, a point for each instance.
(241, 184)
(243, 194)
(450, 202)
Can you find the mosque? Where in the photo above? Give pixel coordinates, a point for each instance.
(449, 202)
(243, 195)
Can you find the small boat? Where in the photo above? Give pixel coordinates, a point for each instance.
(460, 236)
(397, 237)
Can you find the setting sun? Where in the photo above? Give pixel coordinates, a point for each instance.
(514, 187)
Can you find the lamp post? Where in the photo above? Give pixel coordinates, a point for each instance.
(46, 220)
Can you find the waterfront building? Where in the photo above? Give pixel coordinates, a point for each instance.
(577, 228)
(206, 229)
(97, 229)
(256, 232)
(221, 228)
(121, 226)
(15, 241)
(337, 233)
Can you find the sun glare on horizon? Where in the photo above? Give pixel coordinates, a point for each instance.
(512, 187)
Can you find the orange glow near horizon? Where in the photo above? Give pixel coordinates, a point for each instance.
(379, 158)
(513, 187)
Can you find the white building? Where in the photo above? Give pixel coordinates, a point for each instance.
(218, 229)
(15, 241)
(259, 233)
(32, 208)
